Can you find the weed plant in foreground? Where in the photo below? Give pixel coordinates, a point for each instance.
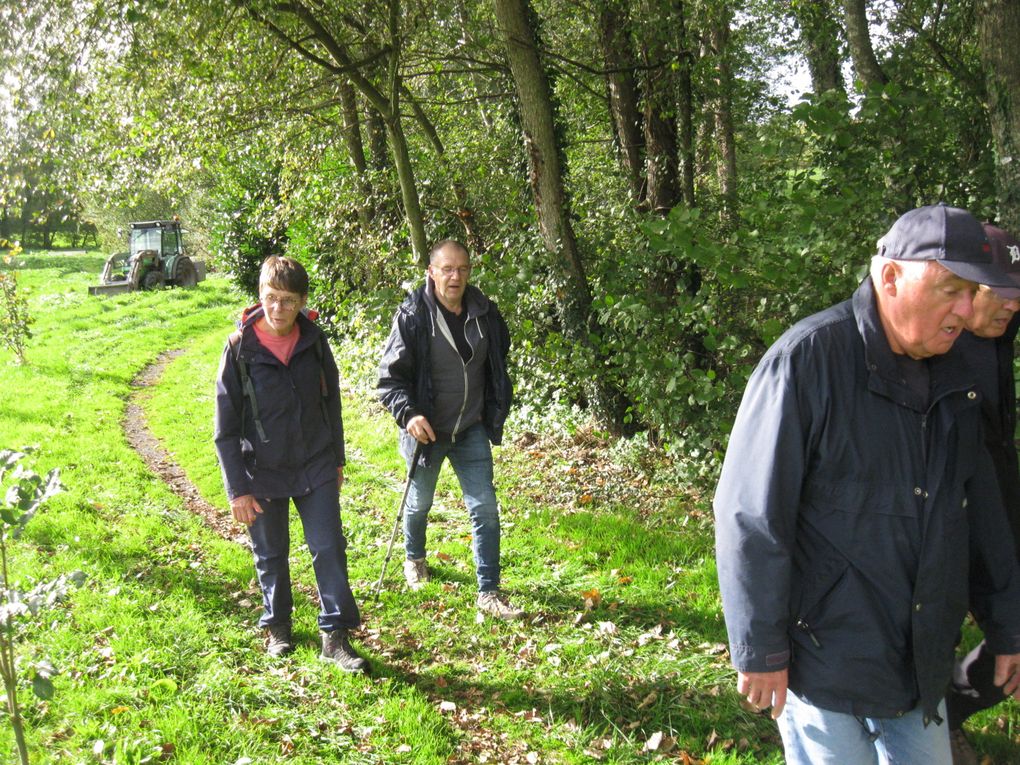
(622, 658)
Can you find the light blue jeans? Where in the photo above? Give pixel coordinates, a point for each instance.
(814, 736)
(471, 458)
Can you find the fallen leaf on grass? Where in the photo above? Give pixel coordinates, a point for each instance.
(591, 598)
(447, 706)
(648, 700)
(445, 557)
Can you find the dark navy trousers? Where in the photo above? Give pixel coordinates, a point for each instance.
(270, 535)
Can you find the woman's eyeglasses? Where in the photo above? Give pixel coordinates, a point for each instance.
(286, 303)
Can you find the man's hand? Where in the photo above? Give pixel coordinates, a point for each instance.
(766, 689)
(244, 509)
(1007, 674)
(420, 430)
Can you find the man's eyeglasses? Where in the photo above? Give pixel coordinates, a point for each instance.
(451, 270)
(286, 303)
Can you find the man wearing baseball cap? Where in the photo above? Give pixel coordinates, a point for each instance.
(987, 346)
(855, 500)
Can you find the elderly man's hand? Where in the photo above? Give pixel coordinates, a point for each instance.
(764, 689)
(1007, 674)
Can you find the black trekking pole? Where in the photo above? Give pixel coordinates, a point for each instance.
(400, 514)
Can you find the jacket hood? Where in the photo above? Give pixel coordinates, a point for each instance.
(305, 320)
(476, 301)
(253, 313)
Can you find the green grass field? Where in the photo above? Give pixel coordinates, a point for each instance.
(622, 659)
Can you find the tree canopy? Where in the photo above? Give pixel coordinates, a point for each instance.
(643, 199)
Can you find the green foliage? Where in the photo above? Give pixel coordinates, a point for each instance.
(14, 317)
(25, 493)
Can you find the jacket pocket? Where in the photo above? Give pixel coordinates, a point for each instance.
(864, 497)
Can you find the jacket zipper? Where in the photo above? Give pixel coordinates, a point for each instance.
(806, 628)
(464, 365)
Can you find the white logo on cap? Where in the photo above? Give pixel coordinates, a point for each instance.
(1014, 253)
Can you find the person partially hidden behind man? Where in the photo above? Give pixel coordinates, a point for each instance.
(855, 494)
(987, 345)
(443, 377)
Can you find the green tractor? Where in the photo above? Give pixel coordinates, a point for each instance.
(156, 259)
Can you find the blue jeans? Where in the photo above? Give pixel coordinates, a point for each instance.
(270, 536)
(471, 457)
(815, 736)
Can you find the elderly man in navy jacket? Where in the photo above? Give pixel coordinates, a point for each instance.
(856, 498)
(988, 347)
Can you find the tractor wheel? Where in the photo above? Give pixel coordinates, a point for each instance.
(152, 280)
(187, 274)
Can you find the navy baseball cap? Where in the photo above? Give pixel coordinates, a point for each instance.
(1005, 257)
(950, 235)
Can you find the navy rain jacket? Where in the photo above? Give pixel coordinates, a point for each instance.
(850, 516)
(299, 406)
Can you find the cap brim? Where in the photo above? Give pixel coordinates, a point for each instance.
(982, 273)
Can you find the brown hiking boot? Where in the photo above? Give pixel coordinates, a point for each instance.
(337, 648)
(495, 604)
(963, 752)
(416, 573)
(278, 640)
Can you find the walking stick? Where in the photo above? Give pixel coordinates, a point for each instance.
(400, 514)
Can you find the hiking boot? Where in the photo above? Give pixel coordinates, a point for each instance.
(337, 649)
(416, 573)
(279, 642)
(963, 752)
(495, 604)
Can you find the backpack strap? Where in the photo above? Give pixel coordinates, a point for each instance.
(246, 385)
(323, 390)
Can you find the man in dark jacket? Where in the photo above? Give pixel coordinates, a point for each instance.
(987, 347)
(855, 468)
(443, 376)
(279, 436)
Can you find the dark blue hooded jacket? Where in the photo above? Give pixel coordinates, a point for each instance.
(405, 379)
(298, 406)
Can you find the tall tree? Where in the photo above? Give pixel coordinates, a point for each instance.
(866, 66)
(997, 22)
(615, 39)
(308, 30)
(820, 43)
(726, 166)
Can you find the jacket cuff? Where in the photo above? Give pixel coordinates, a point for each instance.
(749, 658)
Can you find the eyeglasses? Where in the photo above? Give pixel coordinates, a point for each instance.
(286, 303)
(451, 270)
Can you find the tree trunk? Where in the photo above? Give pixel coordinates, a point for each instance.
(551, 205)
(685, 104)
(855, 16)
(726, 167)
(356, 150)
(623, 98)
(819, 41)
(998, 21)
(546, 172)
(659, 88)
(376, 128)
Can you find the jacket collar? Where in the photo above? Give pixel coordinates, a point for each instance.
(948, 372)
